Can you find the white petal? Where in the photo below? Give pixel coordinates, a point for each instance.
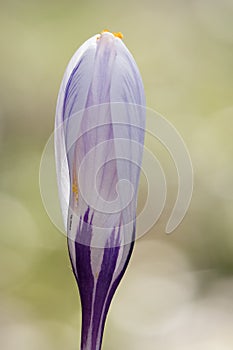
(60, 149)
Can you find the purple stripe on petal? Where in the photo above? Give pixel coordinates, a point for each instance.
(68, 86)
(104, 281)
(127, 252)
(83, 274)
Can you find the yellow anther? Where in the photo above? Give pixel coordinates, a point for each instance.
(75, 189)
(116, 34)
(105, 31)
(75, 183)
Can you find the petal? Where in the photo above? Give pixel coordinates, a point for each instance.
(69, 102)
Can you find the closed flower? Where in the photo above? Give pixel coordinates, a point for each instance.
(99, 136)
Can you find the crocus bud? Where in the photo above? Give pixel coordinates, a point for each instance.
(99, 137)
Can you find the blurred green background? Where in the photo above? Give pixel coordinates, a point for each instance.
(178, 290)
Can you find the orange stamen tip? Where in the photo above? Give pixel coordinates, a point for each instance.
(116, 34)
(75, 189)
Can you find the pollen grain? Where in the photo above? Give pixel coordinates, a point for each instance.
(75, 186)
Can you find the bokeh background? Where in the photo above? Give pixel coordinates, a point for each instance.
(178, 290)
